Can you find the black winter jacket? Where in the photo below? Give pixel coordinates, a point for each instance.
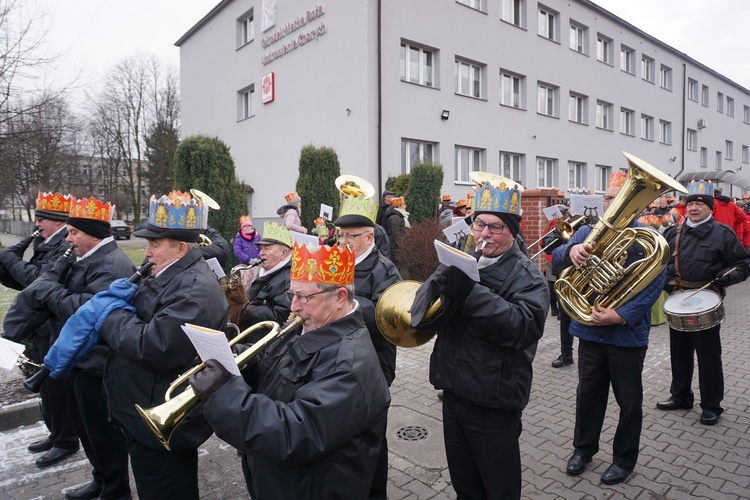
(16, 273)
(266, 300)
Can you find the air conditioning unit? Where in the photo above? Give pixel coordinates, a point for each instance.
(701, 123)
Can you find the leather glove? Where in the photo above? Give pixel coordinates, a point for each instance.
(454, 284)
(208, 380)
(722, 281)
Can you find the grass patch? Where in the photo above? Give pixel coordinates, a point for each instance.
(7, 296)
(135, 254)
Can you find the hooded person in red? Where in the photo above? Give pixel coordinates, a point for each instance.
(727, 212)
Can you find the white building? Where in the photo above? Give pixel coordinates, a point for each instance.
(546, 93)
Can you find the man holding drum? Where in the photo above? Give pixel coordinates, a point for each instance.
(702, 252)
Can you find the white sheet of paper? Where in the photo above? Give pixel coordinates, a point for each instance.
(216, 267)
(310, 240)
(580, 202)
(326, 211)
(552, 212)
(9, 353)
(212, 344)
(452, 257)
(457, 230)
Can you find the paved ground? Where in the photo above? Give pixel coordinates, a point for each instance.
(680, 458)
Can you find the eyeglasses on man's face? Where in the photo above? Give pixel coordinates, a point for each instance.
(348, 236)
(301, 297)
(495, 227)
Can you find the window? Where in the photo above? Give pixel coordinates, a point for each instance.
(692, 140)
(578, 108)
(512, 91)
(510, 165)
(417, 64)
(245, 29)
(602, 177)
(578, 38)
(717, 165)
(745, 154)
(545, 168)
(730, 106)
(548, 24)
(647, 69)
(729, 150)
(514, 12)
(604, 49)
(604, 115)
(467, 160)
(746, 114)
(474, 4)
(647, 127)
(468, 79)
(627, 60)
(665, 77)
(704, 157)
(576, 174)
(413, 151)
(665, 132)
(627, 124)
(720, 102)
(547, 100)
(692, 90)
(246, 103)
(704, 95)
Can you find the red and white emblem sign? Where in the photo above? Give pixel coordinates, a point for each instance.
(268, 88)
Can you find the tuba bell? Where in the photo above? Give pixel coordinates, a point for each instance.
(393, 315)
(351, 185)
(604, 280)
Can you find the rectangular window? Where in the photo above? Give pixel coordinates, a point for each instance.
(627, 60)
(474, 4)
(510, 165)
(692, 90)
(604, 49)
(512, 90)
(468, 79)
(547, 102)
(246, 103)
(545, 169)
(604, 115)
(692, 140)
(665, 132)
(665, 77)
(717, 164)
(578, 108)
(720, 102)
(576, 174)
(745, 154)
(413, 151)
(730, 106)
(602, 177)
(746, 114)
(627, 121)
(578, 38)
(514, 12)
(729, 150)
(647, 128)
(417, 64)
(547, 24)
(704, 157)
(704, 95)
(647, 69)
(245, 29)
(467, 160)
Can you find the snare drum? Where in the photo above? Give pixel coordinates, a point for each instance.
(702, 311)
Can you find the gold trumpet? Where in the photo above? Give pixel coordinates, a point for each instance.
(164, 419)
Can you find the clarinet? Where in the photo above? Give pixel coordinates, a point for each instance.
(71, 259)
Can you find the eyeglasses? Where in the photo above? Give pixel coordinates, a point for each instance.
(609, 198)
(350, 236)
(301, 298)
(495, 228)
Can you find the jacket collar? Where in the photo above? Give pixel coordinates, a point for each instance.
(312, 342)
(180, 266)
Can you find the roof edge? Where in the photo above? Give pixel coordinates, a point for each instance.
(218, 8)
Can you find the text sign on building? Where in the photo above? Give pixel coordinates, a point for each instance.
(267, 88)
(268, 15)
(301, 23)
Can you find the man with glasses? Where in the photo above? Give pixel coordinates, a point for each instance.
(486, 342)
(311, 419)
(373, 273)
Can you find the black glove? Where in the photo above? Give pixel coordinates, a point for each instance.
(454, 284)
(7, 258)
(208, 380)
(722, 279)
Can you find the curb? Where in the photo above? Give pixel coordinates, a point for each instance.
(26, 413)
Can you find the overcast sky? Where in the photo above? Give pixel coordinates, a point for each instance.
(93, 35)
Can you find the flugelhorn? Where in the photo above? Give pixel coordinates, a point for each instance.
(164, 419)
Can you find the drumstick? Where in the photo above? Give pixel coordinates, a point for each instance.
(682, 302)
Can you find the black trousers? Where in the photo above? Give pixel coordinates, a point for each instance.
(566, 339)
(707, 345)
(600, 365)
(104, 445)
(54, 395)
(162, 474)
(481, 445)
(379, 487)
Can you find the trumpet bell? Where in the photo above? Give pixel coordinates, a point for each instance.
(351, 185)
(204, 199)
(393, 315)
(163, 419)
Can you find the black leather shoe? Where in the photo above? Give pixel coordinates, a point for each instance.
(671, 404)
(576, 465)
(615, 475)
(709, 417)
(85, 492)
(562, 361)
(42, 445)
(54, 455)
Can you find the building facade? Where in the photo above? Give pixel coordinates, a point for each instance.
(547, 93)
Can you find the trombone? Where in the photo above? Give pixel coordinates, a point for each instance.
(164, 418)
(565, 231)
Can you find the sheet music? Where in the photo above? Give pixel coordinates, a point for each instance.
(9, 353)
(552, 212)
(212, 344)
(452, 257)
(457, 230)
(300, 239)
(580, 202)
(213, 263)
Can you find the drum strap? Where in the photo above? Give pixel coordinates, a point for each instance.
(676, 252)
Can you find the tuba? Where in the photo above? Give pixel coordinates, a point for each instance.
(604, 280)
(393, 315)
(351, 185)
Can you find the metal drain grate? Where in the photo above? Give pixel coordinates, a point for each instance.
(412, 433)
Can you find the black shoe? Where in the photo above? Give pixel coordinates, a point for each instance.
(709, 417)
(615, 475)
(576, 465)
(42, 445)
(85, 492)
(562, 361)
(440, 395)
(671, 404)
(554, 312)
(55, 455)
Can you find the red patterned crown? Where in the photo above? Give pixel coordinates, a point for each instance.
(325, 265)
(617, 179)
(90, 208)
(53, 202)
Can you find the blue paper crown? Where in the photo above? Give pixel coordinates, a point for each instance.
(503, 198)
(705, 188)
(176, 210)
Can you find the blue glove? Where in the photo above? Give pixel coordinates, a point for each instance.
(123, 289)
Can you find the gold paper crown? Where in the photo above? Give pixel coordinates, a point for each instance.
(325, 265)
(397, 202)
(446, 197)
(320, 221)
(276, 233)
(176, 210)
(290, 196)
(617, 179)
(357, 205)
(53, 202)
(90, 208)
(461, 204)
(245, 219)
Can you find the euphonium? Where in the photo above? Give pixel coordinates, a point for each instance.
(393, 315)
(164, 419)
(604, 275)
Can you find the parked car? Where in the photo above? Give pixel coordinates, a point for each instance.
(120, 229)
